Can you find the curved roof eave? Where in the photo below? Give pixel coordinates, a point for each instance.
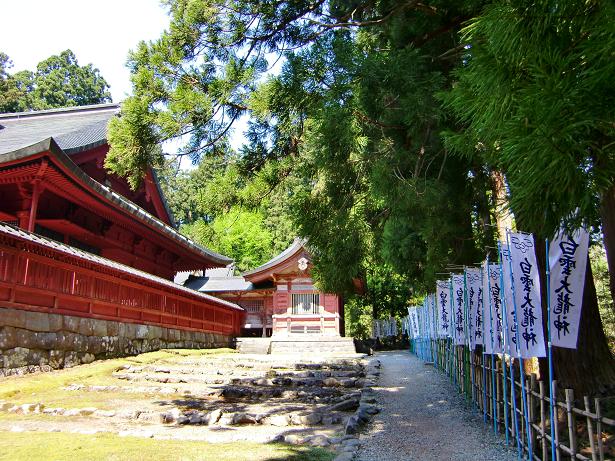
(297, 245)
(50, 145)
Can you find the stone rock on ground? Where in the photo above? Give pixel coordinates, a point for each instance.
(212, 417)
(171, 416)
(277, 420)
(345, 405)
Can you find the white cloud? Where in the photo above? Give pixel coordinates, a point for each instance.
(97, 32)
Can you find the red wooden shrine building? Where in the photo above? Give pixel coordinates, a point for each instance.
(279, 296)
(76, 240)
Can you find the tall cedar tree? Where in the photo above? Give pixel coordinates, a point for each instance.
(353, 108)
(535, 97)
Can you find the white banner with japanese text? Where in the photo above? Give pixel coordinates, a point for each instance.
(474, 288)
(526, 283)
(459, 309)
(567, 264)
(443, 290)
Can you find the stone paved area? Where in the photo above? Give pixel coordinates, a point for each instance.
(423, 418)
(214, 398)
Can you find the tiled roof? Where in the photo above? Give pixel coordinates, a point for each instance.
(216, 284)
(297, 244)
(73, 128)
(222, 279)
(7, 229)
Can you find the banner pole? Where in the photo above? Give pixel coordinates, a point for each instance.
(483, 351)
(550, 352)
(519, 355)
(493, 396)
(510, 355)
(453, 357)
(505, 346)
(469, 335)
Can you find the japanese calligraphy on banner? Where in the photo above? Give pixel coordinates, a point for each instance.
(458, 309)
(488, 331)
(509, 307)
(491, 341)
(474, 289)
(567, 264)
(443, 290)
(414, 322)
(433, 315)
(495, 299)
(527, 295)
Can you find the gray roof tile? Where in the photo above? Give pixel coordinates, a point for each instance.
(297, 244)
(73, 128)
(216, 284)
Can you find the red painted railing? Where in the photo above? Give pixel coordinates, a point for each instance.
(37, 277)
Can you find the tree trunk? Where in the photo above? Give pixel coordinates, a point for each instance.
(590, 368)
(503, 217)
(607, 214)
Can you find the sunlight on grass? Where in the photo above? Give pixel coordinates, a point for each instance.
(48, 387)
(26, 446)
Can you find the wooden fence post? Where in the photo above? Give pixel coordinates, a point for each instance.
(599, 429)
(543, 417)
(572, 433)
(590, 429)
(554, 421)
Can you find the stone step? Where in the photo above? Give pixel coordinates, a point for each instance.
(253, 345)
(316, 345)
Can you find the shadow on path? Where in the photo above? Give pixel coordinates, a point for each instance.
(424, 418)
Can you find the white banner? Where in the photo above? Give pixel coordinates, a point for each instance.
(433, 305)
(567, 264)
(491, 342)
(495, 299)
(475, 298)
(487, 330)
(527, 295)
(509, 307)
(414, 322)
(443, 290)
(458, 309)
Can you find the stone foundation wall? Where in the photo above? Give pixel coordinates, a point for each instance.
(34, 341)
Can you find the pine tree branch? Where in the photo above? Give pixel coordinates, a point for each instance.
(370, 22)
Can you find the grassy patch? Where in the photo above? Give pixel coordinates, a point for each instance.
(47, 388)
(62, 446)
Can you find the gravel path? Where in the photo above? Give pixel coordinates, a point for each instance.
(424, 418)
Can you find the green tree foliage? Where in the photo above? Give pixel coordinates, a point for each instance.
(355, 114)
(238, 234)
(59, 81)
(352, 111)
(535, 98)
(600, 270)
(10, 93)
(202, 198)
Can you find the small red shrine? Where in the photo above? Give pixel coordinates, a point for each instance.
(280, 297)
(76, 240)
